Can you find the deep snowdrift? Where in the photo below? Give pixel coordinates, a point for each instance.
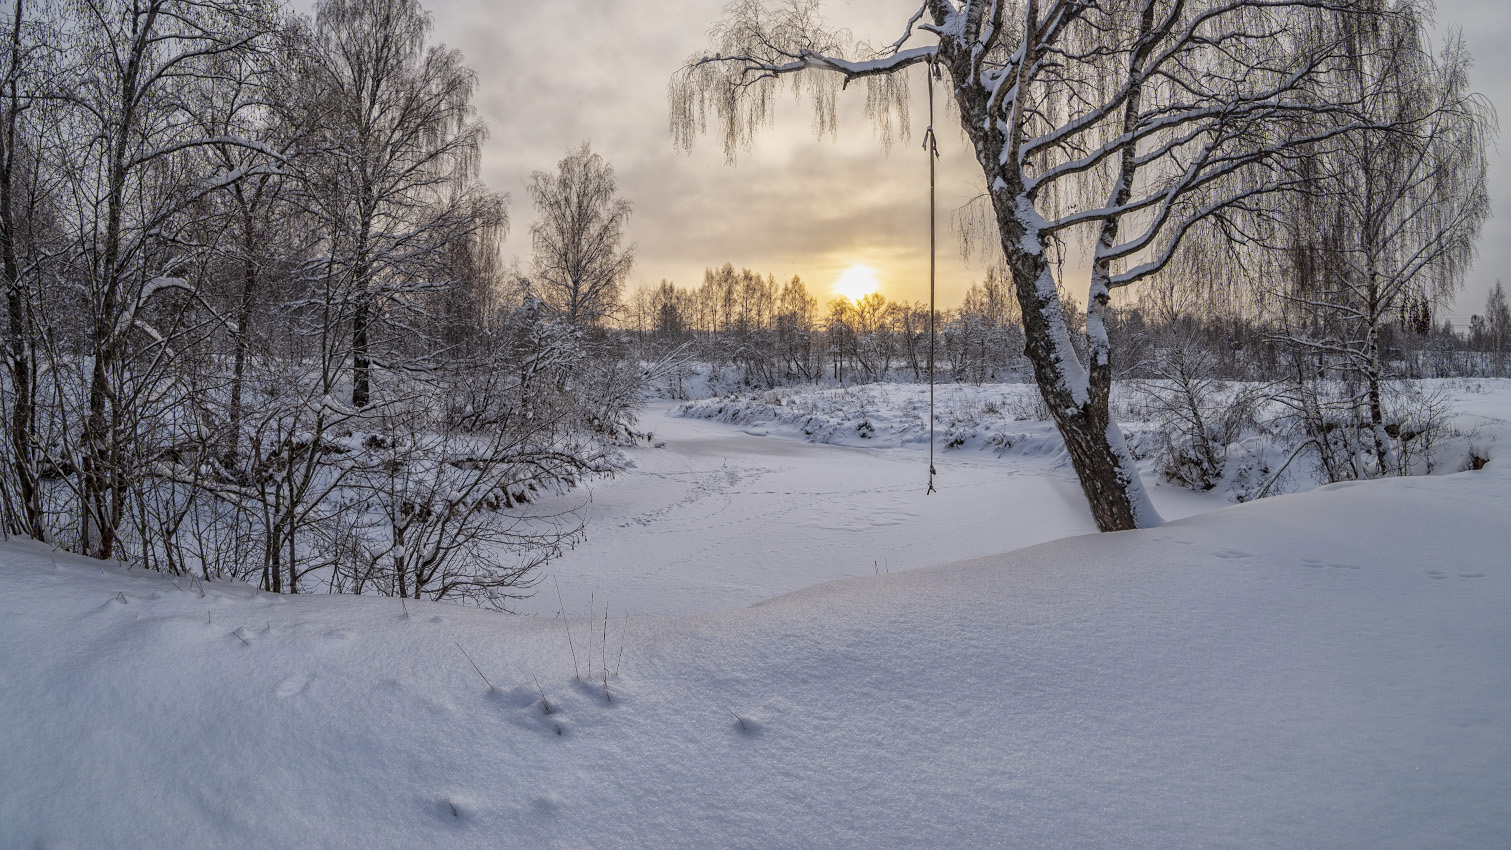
(1321, 670)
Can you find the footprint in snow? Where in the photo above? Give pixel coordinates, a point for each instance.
(295, 685)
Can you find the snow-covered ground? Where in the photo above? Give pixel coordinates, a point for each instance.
(765, 493)
(722, 517)
(1326, 669)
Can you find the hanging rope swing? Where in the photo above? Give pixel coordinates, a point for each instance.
(932, 150)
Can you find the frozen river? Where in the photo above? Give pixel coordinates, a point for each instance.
(721, 518)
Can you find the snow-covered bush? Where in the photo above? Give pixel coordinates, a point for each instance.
(1196, 416)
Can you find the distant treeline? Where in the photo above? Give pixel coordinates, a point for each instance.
(775, 333)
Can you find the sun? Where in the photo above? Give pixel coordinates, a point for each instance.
(857, 282)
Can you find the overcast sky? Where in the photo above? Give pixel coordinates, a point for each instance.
(554, 74)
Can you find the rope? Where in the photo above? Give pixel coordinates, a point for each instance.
(929, 145)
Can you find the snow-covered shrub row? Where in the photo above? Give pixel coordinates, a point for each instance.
(989, 416)
(1241, 439)
(420, 493)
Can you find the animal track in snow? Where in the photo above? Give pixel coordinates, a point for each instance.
(295, 685)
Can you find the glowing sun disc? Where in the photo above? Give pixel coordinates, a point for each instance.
(857, 282)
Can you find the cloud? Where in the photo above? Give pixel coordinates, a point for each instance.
(553, 74)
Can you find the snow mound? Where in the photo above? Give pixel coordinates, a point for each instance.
(1316, 670)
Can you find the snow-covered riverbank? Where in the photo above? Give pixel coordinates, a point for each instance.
(753, 496)
(723, 517)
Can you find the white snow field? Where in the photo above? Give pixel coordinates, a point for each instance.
(1329, 669)
(771, 492)
(723, 517)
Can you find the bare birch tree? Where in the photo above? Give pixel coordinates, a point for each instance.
(26, 225)
(1497, 325)
(142, 72)
(1393, 216)
(394, 178)
(579, 260)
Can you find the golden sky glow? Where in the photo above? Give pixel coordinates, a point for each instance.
(552, 75)
(857, 282)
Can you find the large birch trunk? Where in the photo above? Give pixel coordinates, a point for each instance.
(1374, 376)
(1077, 399)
